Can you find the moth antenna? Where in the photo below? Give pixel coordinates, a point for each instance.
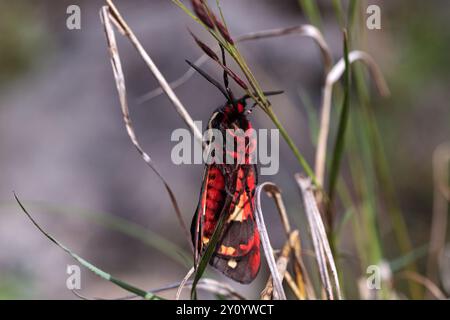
(266, 93)
(225, 75)
(208, 78)
(273, 93)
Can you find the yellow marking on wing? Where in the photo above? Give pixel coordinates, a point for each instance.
(232, 263)
(228, 251)
(237, 214)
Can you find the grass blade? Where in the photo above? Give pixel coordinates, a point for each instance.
(339, 12)
(427, 283)
(322, 248)
(183, 283)
(268, 251)
(123, 226)
(342, 128)
(333, 76)
(282, 263)
(311, 11)
(109, 14)
(255, 91)
(305, 30)
(311, 113)
(441, 198)
(204, 260)
(102, 274)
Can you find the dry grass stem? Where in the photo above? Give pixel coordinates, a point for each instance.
(274, 192)
(441, 197)
(219, 288)
(183, 282)
(304, 284)
(299, 294)
(181, 110)
(427, 283)
(302, 30)
(268, 251)
(121, 89)
(282, 263)
(444, 268)
(333, 76)
(322, 249)
(302, 278)
(206, 284)
(305, 30)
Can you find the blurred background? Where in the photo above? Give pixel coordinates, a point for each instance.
(65, 152)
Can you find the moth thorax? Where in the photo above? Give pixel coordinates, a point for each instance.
(235, 109)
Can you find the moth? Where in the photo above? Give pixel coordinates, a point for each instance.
(228, 193)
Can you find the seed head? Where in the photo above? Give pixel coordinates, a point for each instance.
(223, 30)
(202, 13)
(210, 52)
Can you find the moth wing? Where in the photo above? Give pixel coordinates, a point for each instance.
(238, 253)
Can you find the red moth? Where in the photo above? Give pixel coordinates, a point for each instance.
(229, 189)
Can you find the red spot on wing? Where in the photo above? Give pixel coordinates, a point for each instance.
(213, 199)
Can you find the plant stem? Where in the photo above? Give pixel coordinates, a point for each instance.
(255, 92)
(265, 105)
(291, 145)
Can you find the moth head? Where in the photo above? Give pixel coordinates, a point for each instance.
(235, 108)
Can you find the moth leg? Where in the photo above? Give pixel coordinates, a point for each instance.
(250, 109)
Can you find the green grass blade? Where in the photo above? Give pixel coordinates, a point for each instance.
(221, 13)
(128, 228)
(388, 192)
(347, 216)
(373, 138)
(102, 274)
(291, 144)
(311, 114)
(209, 250)
(337, 6)
(311, 11)
(342, 127)
(405, 260)
(352, 13)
